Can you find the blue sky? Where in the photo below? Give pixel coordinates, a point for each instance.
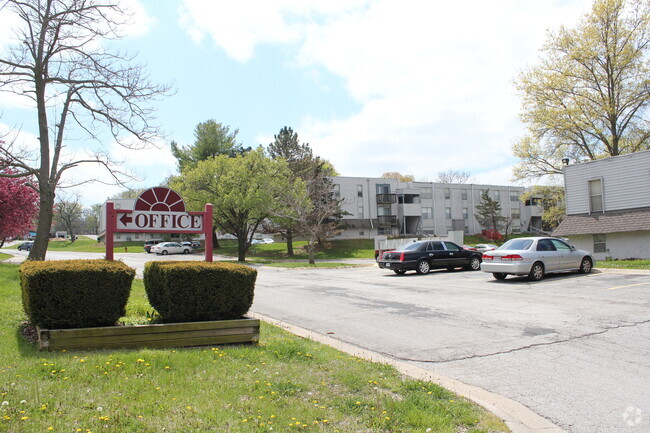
(372, 85)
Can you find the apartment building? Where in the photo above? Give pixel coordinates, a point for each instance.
(379, 206)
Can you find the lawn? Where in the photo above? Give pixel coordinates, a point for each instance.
(284, 384)
(623, 264)
(88, 245)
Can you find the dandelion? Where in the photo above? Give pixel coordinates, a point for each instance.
(5, 403)
(50, 428)
(188, 407)
(25, 418)
(99, 409)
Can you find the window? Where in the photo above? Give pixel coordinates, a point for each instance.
(359, 190)
(336, 191)
(515, 213)
(137, 236)
(448, 213)
(383, 210)
(427, 213)
(561, 246)
(463, 194)
(361, 232)
(360, 212)
(383, 188)
(600, 244)
(465, 214)
(596, 195)
(497, 195)
(447, 193)
(426, 192)
(514, 196)
(450, 246)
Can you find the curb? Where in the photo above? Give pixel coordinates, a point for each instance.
(517, 417)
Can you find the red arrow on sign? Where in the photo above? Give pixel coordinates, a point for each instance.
(125, 219)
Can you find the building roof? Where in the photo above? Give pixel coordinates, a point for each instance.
(628, 220)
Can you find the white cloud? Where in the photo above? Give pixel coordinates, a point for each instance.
(434, 79)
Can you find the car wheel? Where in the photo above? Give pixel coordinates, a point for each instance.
(186, 251)
(499, 275)
(474, 264)
(164, 252)
(585, 266)
(423, 267)
(399, 271)
(536, 272)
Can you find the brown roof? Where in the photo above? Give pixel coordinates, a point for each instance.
(628, 220)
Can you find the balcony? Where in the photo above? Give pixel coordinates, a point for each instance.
(386, 198)
(387, 220)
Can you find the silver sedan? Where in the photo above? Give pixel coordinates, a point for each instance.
(165, 248)
(535, 257)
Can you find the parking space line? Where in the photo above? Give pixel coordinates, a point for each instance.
(630, 285)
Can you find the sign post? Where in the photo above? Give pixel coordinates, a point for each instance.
(158, 210)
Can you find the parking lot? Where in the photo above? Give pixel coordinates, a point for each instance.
(573, 348)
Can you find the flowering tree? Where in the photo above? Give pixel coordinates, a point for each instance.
(18, 205)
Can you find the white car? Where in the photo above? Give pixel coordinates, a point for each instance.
(165, 248)
(535, 257)
(485, 247)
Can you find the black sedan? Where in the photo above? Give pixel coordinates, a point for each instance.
(423, 256)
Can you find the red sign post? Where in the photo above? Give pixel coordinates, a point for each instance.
(158, 210)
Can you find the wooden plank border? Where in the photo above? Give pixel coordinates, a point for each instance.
(188, 334)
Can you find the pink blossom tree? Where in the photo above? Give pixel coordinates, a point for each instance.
(18, 205)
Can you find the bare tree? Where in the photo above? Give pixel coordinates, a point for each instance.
(453, 176)
(69, 213)
(79, 88)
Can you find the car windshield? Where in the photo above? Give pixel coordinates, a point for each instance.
(517, 244)
(412, 246)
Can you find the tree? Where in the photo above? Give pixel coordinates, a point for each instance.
(91, 218)
(588, 96)
(77, 85)
(69, 213)
(303, 165)
(211, 139)
(551, 199)
(398, 176)
(453, 176)
(489, 215)
(129, 193)
(18, 205)
(311, 207)
(242, 189)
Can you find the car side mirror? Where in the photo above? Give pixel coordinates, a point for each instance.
(573, 248)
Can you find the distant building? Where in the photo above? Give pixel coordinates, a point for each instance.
(380, 206)
(608, 206)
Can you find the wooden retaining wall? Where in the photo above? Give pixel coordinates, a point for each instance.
(244, 330)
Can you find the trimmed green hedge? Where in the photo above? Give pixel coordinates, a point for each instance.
(183, 291)
(75, 293)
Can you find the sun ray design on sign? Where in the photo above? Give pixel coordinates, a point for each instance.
(160, 199)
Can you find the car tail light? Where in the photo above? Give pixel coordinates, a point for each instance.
(511, 257)
(401, 257)
(486, 257)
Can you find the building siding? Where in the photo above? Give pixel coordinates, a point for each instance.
(625, 181)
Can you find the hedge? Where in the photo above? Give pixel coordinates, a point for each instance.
(75, 293)
(183, 291)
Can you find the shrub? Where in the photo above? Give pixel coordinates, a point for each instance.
(199, 291)
(75, 293)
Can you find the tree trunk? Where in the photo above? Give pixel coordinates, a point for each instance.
(311, 248)
(45, 214)
(215, 239)
(289, 236)
(2, 241)
(241, 248)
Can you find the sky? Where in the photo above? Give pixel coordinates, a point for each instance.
(374, 86)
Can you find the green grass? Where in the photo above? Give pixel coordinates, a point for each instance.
(339, 249)
(623, 264)
(286, 383)
(4, 257)
(88, 245)
(315, 265)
